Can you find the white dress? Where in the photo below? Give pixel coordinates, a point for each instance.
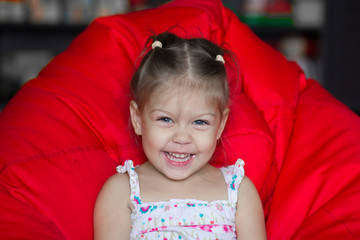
(185, 218)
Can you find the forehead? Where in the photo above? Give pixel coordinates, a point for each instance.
(189, 100)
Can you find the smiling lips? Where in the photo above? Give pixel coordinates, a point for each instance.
(179, 159)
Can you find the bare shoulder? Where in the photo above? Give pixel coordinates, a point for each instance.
(247, 189)
(250, 223)
(118, 182)
(116, 190)
(112, 209)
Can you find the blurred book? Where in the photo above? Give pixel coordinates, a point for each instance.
(45, 11)
(62, 11)
(13, 11)
(110, 7)
(84, 11)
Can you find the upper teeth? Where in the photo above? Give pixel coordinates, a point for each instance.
(178, 157)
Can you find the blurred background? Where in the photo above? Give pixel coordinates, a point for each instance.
(322, 36)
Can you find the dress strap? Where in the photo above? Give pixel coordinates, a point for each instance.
(233, 175)
(134, 180)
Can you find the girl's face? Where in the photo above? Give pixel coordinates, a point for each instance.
(179, 131)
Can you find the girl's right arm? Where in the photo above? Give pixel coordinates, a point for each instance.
(112, 209)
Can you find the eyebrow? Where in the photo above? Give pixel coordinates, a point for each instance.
(158, 110)
(204, 114)
(196, 116)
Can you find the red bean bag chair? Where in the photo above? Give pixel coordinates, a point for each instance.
(64, 132)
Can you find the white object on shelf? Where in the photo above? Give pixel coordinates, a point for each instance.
(294, 49)
(309, 13)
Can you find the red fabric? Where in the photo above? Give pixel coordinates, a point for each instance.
(318, 189)
(65, 131)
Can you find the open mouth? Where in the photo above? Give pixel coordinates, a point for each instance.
(179, 157)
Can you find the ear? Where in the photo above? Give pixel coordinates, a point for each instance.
(224, 119)
(135, 117)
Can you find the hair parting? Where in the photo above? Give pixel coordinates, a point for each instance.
(172, 62)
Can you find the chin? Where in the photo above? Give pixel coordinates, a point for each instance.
(177, 174)
(178, 177)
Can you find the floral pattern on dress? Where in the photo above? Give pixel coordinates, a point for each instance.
(185, 218)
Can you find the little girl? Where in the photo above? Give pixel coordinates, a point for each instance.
(179, 108)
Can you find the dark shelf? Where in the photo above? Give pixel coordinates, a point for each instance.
(278, 31)
(54, 38)
(77, 28)
(42, 28)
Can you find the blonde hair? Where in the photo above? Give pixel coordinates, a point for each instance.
(180, 63)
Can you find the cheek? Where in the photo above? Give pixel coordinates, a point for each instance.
(153, 139)
(207, 142)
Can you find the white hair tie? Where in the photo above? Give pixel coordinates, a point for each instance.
(156, 44)
(220, 58)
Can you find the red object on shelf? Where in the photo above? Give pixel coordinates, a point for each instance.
(138, 4)
(279, 7)
(64, 132)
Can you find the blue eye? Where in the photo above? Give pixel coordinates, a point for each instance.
(165, 119)
(201, 122)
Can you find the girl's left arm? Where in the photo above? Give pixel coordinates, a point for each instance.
(249, 219)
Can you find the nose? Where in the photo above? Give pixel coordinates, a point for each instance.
(182, 136)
